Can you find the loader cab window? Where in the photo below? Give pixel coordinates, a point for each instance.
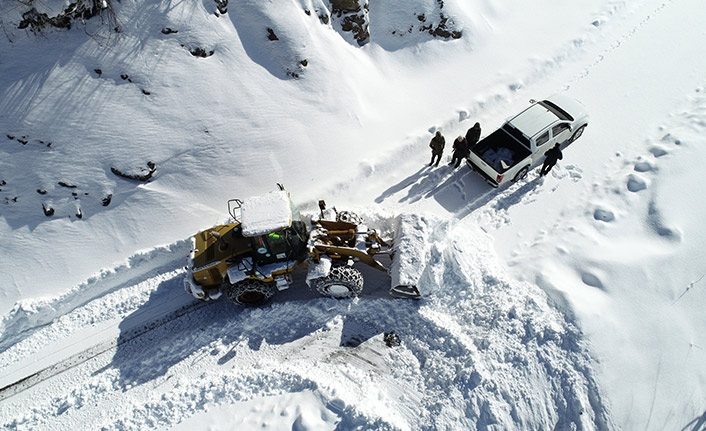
(296, 216)
(270, 248)
(278, 246)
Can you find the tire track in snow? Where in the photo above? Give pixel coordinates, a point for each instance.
(77, 359)
(618, 43)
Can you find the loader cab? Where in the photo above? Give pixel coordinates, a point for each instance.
(280, 246)
(275, 228)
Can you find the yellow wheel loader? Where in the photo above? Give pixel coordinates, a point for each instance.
(253, 257)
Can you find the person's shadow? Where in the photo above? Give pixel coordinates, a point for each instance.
(405, 183)
(698, 424)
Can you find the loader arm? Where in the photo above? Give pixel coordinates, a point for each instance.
(335, 251)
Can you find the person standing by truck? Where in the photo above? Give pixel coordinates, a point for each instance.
(552, 156)
(460, 151)
(437, 147)
(473, 135)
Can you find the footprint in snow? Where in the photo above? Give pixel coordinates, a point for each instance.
(592, 280)
(656, 222)
(603, 215)
(636, 184)
(575, 173)
(658, 151)
(668, 138)
(644, 166)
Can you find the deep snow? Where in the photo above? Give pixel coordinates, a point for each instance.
(569, 302)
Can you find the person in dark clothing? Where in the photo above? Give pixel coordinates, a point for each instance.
(473, 135)
(460, 151)
(437, 147)
(552, 156)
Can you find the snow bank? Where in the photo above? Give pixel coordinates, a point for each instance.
(293, 411)
(30, 314)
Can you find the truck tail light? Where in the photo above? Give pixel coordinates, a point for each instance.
(498, 179)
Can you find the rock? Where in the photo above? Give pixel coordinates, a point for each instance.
(137, 177)
(200, 52)
(222, 6)
(345, 6)
(391, 339)
(271, 34)
(48, 211)
(354, 18)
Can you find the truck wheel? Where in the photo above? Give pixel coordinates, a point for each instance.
(250, 292)
(577, 134)
(342, 282)
(521, 174)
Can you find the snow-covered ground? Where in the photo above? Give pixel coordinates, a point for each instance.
(566, 302)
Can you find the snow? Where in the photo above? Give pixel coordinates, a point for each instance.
(412, 232)
(571, 301)
(298, 412)
(265, 213)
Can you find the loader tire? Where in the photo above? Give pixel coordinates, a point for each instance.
(342, 282)
(250, 292)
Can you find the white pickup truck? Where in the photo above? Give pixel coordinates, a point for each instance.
(509, 152)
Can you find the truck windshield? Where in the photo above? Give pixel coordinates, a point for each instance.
(563, 115)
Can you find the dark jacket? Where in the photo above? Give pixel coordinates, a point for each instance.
(437, 144)
(553, 154)
(473, 135)
(460, 146)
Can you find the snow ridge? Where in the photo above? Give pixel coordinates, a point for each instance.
(29, 315)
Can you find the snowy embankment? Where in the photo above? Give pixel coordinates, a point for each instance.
(570, 302)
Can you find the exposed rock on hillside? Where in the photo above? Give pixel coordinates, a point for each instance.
(353, 16)
(79, 10)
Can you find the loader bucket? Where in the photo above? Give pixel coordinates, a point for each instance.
(409, 258)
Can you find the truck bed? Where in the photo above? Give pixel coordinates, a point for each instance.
(501, 151)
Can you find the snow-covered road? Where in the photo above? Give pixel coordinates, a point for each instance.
(569, 302)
